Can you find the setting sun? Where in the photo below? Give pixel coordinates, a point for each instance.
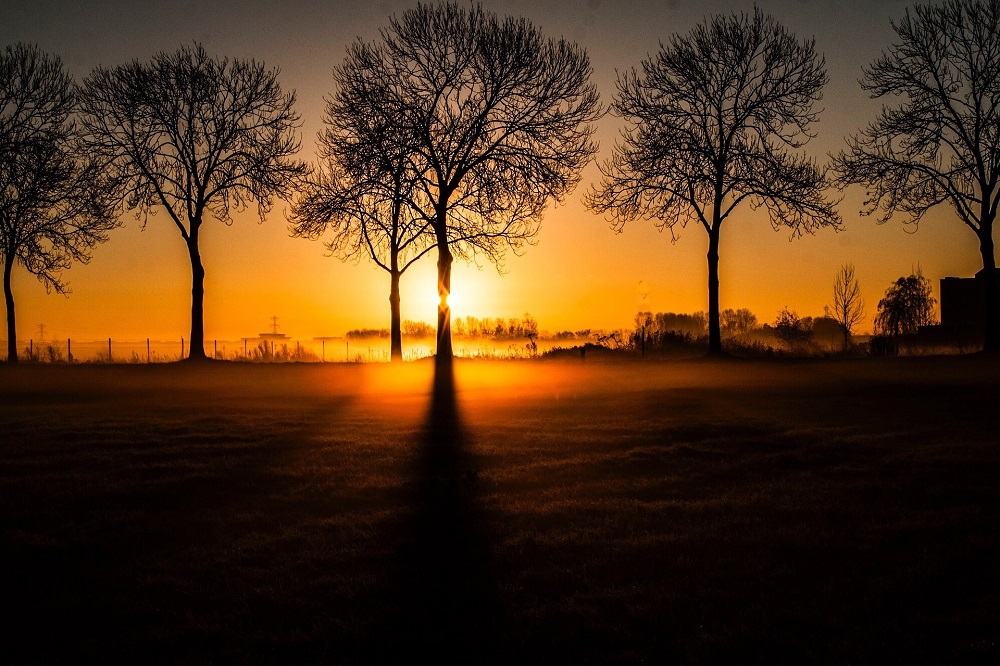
(455, 300)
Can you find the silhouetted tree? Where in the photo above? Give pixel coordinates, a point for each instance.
(906, 306)
(643, 322)
(694, 324)
(53, 206)
(711, 122)
(497, 116)
(737, 323)
(196, 136)
(848, 308)
(940, 144)
(791, 329)
(417, 329)
(366, 189)
(826, 331)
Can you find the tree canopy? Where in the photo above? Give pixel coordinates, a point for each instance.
(714, 119)
(54, 202)
(497, 120)
(365, 192)
(195, 136)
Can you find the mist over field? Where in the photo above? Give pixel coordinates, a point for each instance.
(534, 511)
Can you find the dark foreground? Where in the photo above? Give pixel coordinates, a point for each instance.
(690, 512)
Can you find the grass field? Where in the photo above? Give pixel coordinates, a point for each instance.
(552, 512)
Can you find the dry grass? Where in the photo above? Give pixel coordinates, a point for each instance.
(742, 511)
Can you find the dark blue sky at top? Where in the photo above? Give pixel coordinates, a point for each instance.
(305, 38)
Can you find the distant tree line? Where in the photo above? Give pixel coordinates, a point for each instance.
(454, 131)
(740, 329)
(907, 307)
(462, 327)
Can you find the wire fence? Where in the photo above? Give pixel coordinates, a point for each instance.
(257, 350)
(110, 350)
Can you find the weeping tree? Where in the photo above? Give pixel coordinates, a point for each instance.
(714, 119)
(906, 306)
(498, 121)
(365, 190)
(54, 204)
(940, 144)
(196, 137)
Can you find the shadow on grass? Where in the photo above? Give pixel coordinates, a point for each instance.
(448, 603)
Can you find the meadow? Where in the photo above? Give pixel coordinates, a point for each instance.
(737, 511)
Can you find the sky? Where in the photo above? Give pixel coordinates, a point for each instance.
(579, 274)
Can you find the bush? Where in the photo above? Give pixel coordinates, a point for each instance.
(883, 345)
(791, 329)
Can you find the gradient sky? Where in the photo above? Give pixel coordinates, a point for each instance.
(580, 274)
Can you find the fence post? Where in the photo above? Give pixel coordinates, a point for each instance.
(244, 348)
(69, 351)
(215, 348)
(147, 351)
(182, 347)
(324, 351)
(31, 349)
(109, 350)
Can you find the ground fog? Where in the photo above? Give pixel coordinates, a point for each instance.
(810, 511)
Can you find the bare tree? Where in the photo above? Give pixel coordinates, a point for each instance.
(499, 121)
(196, 136)
(53, 206)
(940, 144)
(737, 323)
(365, 191)
(712, 121)
(848, 308)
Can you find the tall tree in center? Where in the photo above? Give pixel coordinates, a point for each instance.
(499, 121)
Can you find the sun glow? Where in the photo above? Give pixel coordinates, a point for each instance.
(455, 301)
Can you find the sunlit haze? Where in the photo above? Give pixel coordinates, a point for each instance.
(579, 274)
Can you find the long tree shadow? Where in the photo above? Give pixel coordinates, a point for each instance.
(450, 610)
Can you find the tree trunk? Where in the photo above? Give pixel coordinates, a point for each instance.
(991, 339)
(395, 332)
(197, 346)
(714, 330)
(444, 349)
(8, 294)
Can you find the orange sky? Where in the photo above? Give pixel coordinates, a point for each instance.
(580, 274)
